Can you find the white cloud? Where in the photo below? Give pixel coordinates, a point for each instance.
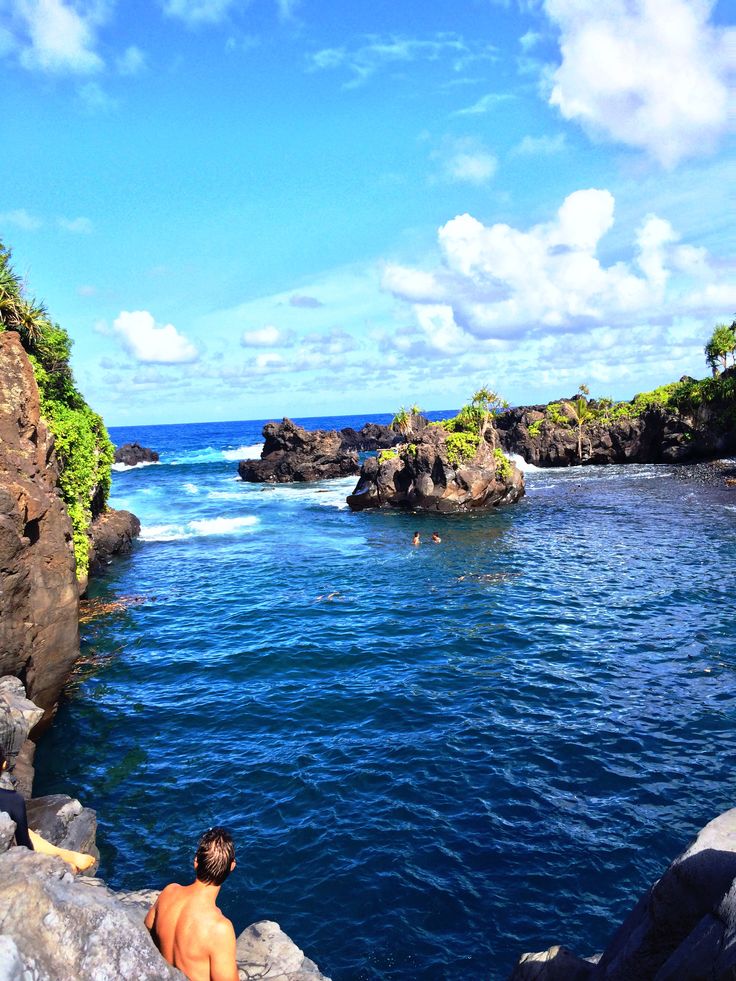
(131, 62)
(152, 344)
(538, 146)
(485, 104)
(215, 11)
(498, 282)
(268, 336)
(652, 74)
(56, 36)
(20, 218)
(465, 161)
(77, 226)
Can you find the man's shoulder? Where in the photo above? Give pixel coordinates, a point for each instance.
(169, 892)
(221, 925)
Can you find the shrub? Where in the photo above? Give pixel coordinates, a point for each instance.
(461, 447)
(535, 428)
(556, 416)
(503, 465)
(385, 455)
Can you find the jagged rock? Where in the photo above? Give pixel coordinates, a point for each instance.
(421, 477)
(111, 534)
(682, 929)
(555, 964)
(369, 437)
(7, 832)
(291, 453)
(265, 953)
(39, 601)
(131, 454)
(58, 928)
(64, 822)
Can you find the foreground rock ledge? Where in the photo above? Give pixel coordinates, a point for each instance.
(420, 476)
(682, 929)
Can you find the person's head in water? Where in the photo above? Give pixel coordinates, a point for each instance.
(215, 858)
(416, 539)
(436, 537)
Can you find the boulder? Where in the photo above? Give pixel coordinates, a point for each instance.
(265, 953)
(111, 534)
(682, 929)
(58, 928)
(369, 437)
(420, 476)
(131, 454)
(292, 453)
(39, 599)
(64, 822)
(7, 831)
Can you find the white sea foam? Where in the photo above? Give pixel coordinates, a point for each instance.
(190, 488)
(252, 452)
(521, 463)
(144, 463)
(327, 493)
(198, 528)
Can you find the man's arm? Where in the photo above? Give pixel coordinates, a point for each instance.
(223, 966)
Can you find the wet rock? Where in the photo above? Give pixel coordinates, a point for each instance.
(420, 476)
(58, 928)
(131, 454)
(39, 600)
(264, 952)
(684, 927)
(291, 453)
(555, 964)
(111, 534)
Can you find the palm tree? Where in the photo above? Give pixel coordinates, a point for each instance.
(722, 342)
(582, 414)
(486, 405)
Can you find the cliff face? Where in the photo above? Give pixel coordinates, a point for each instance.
(39, 604)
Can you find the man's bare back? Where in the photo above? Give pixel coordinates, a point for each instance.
(189, 929)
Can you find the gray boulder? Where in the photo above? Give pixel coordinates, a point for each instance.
(7, 831)
(265, 953)
(64, 822)
(682, 929)
(58, 928)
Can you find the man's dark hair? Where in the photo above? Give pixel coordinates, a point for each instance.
(215, 855)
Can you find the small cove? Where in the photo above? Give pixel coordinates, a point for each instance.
(432, 759)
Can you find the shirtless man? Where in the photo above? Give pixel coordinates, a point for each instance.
(185, 923)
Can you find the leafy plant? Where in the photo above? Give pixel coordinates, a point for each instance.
(461, 447)
(503, 465)
(535, 428)
(556, 416)
(720, 345)
(385, 455)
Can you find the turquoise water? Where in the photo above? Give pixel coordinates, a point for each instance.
(432, 759)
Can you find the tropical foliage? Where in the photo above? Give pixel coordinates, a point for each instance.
(721, 345)
(83, 448)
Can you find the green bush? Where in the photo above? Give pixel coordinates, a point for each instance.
(503, 465)
(535, 428)
(461, 447)
(83, 448)
(385, 455)
(556, 416)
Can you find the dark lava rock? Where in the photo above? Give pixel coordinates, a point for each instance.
(131, 454)
(110, 534)
(421, 477)
(291, 453)
(682, 929)
(39, 597)
(369, 437)
(656, 436)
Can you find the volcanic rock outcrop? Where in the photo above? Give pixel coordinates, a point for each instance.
(291, 453)
(131, 454)
(682, 929)
(369, 437)
(421, 475)
(39, 600)
(111, 534)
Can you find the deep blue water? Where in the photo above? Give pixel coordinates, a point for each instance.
(433, 759)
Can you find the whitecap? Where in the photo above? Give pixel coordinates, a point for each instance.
(190, 488)
(252, 452)
(137, 466)
(521, 463)
(199, 527)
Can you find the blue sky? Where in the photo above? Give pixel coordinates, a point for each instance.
(295, 207)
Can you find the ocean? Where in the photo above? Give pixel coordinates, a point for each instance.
(432, 759)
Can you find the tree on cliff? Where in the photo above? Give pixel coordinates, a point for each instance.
(486, 405)
(721, 344)
(581, 414)
(403, 421)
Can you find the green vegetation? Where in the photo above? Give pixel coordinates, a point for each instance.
(83, 448)
(721, 344)
(535, 428)
(581, 414)
(385, 455)
(556, 416)
(503, 465)
(412, 449)
(461, 447)
(403, 421)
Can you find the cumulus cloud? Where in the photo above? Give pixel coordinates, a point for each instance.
(20, 218)
(501, 283)
(56, 36)
(150, 343)
(652, 74)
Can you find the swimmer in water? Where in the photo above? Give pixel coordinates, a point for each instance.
(436, 538)
(416, 540)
